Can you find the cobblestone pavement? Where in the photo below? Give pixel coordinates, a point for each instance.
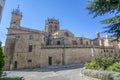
(69, 72)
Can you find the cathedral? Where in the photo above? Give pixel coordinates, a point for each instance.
(28, 48)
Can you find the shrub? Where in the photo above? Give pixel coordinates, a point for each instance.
(114, 67)
(101, 62)
(116, 76)
(103, 75)
(91, 65)
(11, 79)
(1, 61)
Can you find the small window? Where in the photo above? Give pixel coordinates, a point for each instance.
(50, 61)
(31, 37)
(14, 22)
(17, 37)
(111, 51)
(104, 50)
(81, 41)
(30, 48)
(15, 64)
(107, 51)
(86, 42)
(29, 60)
(74, 42)
(58, 42)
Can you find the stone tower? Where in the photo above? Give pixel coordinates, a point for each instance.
(97, 34)
(106, 36)
(51, 25)
(16, 18)
(11, 37)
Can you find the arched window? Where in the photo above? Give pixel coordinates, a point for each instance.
(86, 42)
(50, 28)
(58, 42)
(66, 34)
(81, 41)
(55, 28)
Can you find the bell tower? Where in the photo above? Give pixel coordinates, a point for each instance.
(51, 25)
(16, 18)
(97, 34)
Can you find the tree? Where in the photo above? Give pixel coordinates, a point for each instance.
(101, 7)
(1, 60)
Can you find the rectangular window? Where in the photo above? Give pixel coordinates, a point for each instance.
(15, 64)
(50, 61)
(30, 48)
(81, 41)
(29, 60)
(31, 37)
(74, 42)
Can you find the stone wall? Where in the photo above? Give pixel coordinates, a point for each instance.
(39, 57)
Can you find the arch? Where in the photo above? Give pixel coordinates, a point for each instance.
(58, 42)
(66, 34)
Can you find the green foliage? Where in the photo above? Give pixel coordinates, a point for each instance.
(100, 62)
(112, 20)
(11, 78)
(91, 65)
(101, 7)
(114, 67)
(1, 61)
(102, 75)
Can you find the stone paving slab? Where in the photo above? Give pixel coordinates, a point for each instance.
(51, 74)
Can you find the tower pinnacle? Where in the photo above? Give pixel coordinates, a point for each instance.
(17, 11)
(16, 18)
(97, 34)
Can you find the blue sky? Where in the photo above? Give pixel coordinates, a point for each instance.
(71, 14)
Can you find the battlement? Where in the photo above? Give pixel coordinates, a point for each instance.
(52, 21)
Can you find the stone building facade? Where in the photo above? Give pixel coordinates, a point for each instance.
(29, 48)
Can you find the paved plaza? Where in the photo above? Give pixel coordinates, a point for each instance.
(69, 72)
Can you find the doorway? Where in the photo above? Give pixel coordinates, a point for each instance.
(15, 65)
(50, 61)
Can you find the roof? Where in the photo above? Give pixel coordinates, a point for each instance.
(101, 38)
(28, 30)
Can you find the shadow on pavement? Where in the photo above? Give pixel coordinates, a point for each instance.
(55, 68)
